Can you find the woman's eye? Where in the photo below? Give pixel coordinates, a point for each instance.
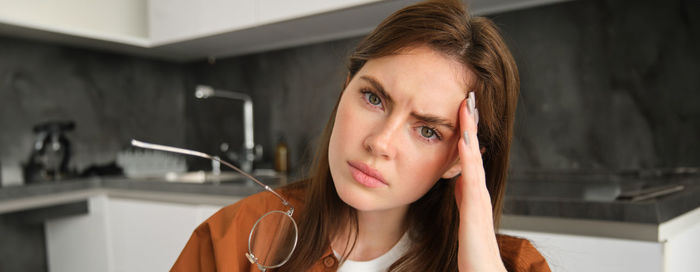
(427, 132)
(373, 99)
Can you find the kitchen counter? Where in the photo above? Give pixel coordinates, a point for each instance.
(588, 205)
(597, 200)
(544, 205)
(19, 198)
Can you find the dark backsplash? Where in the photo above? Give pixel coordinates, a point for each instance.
(605, 85)
(112, 98)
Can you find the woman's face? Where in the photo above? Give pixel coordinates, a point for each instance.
(396, 129)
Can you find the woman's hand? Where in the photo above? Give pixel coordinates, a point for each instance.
(478, 249)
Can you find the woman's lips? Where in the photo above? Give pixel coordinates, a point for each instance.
(366, 175)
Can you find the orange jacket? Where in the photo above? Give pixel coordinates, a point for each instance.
(220, 242)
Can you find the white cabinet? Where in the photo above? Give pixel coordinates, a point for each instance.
(171, 21)
(185, 30)
(270, 11)
(572, 245)
(570, 253)
(148, 236)
(79, 243)
(122, 235)
(176, 20)
(122, 21)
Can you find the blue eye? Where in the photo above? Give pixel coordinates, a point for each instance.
(373, 99)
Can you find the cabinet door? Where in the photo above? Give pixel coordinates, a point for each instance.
(98, 19)
(122, 235)
(148, 235)
(177, 20)
(79, 243)
(279, 10)
(585, 253)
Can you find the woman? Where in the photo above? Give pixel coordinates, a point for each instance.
(402, 181)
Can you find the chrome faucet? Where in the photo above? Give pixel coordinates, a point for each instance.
(250, 151)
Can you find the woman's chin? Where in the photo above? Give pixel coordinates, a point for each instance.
(357, 199)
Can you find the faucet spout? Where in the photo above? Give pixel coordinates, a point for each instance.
(250, 150)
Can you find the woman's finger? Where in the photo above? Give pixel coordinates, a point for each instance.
(478, 248)
(468, 120)
(472, 180)
(469, 153)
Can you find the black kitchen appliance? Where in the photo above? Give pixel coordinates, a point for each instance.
(50, 154)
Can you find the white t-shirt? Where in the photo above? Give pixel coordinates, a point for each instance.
(379, 264)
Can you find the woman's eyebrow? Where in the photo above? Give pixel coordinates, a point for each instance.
(426, 118)
(378, 86)
(434, 120)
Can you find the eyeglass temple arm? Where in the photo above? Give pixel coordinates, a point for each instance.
(166, 148)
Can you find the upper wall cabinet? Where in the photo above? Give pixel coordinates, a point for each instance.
(171, 21)
(184, 30)
(117, 21)
(177, 20)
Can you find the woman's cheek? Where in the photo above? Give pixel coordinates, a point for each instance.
(348, 124)
(428, 163)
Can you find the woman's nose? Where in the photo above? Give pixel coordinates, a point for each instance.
(383, 140)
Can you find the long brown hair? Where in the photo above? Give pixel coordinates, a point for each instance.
(432, 220)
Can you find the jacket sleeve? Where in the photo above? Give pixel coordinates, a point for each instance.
(519, 255)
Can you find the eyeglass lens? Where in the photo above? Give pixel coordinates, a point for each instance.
(273, 239)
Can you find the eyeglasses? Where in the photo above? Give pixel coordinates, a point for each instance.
(274, 235)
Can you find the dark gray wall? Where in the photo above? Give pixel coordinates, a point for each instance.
(606, 86)
(112, 98)
(294, 91)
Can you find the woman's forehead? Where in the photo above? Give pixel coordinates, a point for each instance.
(421, 67)
(420, 81)
(420, 72)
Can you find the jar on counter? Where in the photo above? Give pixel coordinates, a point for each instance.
(281, 156)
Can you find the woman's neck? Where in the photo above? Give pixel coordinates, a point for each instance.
(379, 231)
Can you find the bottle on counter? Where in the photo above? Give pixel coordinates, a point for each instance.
(281, 156)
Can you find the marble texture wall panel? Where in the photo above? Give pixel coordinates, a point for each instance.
(606, 86)
(294, 91)
(603, 88)
(112, 98)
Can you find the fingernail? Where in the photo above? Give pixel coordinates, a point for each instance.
(470, 102)
(465, 135)
(476, 116)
